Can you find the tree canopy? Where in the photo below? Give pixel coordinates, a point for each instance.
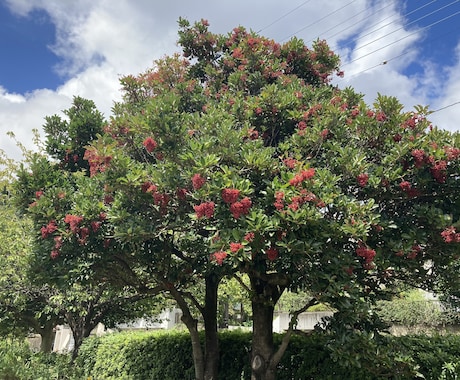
(240, 158)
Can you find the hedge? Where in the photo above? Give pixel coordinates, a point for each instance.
(167, 355)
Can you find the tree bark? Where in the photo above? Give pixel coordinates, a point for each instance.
(210, 325)
(263, 302)
(47, 337)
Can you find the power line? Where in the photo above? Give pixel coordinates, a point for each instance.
(408, 35)
(283, 16)
(448, 106)
(351, 18)
(319, 20)
(394, 31)
(381, 27)
(399, 55)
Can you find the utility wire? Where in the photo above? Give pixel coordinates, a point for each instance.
(351, 18)
(319, 20)
(402, 27)
(283, 16)
(408, 35)
(381, 27)
(398, 56)
(448, 106)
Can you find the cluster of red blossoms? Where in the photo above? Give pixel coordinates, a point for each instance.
(298, 200)
(48, 229)
(304, 175)
(366, 253)
(97, 163)
(205, 209)
(237, 208)
(150, 144)
(450, 235)
(412, 254)
(437, 168)
(272, 253)
(198, 181)
(219, 257)
(362, 179)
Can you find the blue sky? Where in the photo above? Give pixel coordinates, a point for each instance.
(55, 49)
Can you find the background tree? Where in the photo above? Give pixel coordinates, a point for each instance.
(54, 193)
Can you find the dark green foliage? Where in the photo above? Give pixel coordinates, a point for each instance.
(159, 355)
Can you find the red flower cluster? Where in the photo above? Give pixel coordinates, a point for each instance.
(419, 157)
(302, 176)
(450, 235)
(452, 153)
(205, 209)
(150, 144)
(240, 208)
(279, 200)
(249, 236)
(219, 257)
(230, 195)
(97, 163)
(272, 253)
(290, 162)
(235, 247)
(362, 179)
(198, 181)
(48, 229)
(148, 187)
(74, 222)
(438, 171)
(366, 253)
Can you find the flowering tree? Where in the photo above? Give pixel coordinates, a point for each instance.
(240, 158)
(55, 192)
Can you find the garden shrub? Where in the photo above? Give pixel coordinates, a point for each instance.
(168, 356)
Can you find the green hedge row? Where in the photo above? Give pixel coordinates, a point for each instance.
(160, 355)
(167, 355)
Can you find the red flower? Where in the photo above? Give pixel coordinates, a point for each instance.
(450, 235)
(95, 225)
(219, 257)
(302, 176)
(150, 144)
(362, 179)
(73, 221)
(204, 209)
(38, 194)
(405, 186)
(230, 195)
(48, 229)
(235, 247)
(366, 253)
(272, 253)
(148, 187)
(438, 171)
(380, 116)
(54, 254)
(249, 236)
(419, 157)
(240, 208)
(290, 162)
(198, 181)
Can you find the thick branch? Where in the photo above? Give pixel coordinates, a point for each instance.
(285, 342)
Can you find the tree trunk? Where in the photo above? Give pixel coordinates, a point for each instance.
(192, 326)
(263, 302)
(47, 337)
(210, 326)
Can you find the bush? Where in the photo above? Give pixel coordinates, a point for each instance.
(168, 356)
(19, 362)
